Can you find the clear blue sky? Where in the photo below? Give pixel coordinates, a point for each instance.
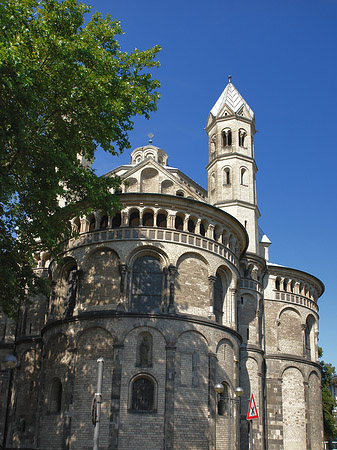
(282, 57)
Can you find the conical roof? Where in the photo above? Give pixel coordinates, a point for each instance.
(233, 99)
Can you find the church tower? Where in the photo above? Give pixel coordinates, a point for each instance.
(231, 165)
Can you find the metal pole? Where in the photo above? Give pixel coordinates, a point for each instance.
(98, 401)
(229, 422)
(251, 434)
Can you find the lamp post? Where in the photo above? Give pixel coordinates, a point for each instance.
(334, 413)
(96, 405)
(238, 391)
(9, 363)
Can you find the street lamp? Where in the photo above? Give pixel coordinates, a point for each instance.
(238, 391)
(8, 363)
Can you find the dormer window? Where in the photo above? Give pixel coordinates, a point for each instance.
(242, 136)
(227, 137)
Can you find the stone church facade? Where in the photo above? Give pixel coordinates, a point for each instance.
(177, 294)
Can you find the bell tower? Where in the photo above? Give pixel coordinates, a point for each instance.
(231, 165)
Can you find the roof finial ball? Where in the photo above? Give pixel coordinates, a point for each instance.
(150, 136)
(229, 78)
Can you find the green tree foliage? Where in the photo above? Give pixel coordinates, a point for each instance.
(328, 401)
(65, 89)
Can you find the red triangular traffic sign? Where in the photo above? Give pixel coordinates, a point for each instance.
(252, 410)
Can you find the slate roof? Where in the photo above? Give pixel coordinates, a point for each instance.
(233, 99)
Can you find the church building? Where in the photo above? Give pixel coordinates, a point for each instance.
(207, 345)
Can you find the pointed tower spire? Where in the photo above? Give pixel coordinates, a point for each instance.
(232, 168)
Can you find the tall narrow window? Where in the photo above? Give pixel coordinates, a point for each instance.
(191, 226)
(227, 176)
(179, 223)
(243, 176)
(148, 219)
(55, 396)
(229, 137)
(223, 401)
(104, 222)
(161, 221)
(146, 284)
(116, 221)
(218, 299)
(134, 219)
(92, 224)
(242, 136)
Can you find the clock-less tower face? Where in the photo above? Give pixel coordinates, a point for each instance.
(231, 168)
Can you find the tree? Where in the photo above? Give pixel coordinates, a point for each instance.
(328, 401)
(66, 88)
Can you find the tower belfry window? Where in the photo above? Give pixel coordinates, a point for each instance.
(227, 176)
(226, 138)
(242, 135)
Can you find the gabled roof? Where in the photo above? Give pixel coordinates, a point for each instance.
(233, 99)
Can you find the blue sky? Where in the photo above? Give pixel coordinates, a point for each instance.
(282, 58)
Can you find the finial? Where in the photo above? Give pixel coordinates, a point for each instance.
(229, 78)
(150, 136)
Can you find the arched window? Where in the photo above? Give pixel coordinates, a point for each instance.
(212, 181)
(180, 193)
(243, 176)
(161, 221)
(285, 284)
(92, 224)
(277, 284)
(242, 135)
(202, 229)
(146, 284)
(144, 349)
(134, 219)
(116, 221)
(179, 223)
(191, 226)
(142, 394)
(227, 176)
(148, 219)
(309, 337)
(223, 400)
(55, 396)
(218, 299)
(104, 222)
(227, 137)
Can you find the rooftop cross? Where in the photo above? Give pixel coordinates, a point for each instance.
(229, 78)
(150, 136)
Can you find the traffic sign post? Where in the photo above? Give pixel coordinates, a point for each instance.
(252, 414)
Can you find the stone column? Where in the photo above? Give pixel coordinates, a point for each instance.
(123, 271)
(211, 282)
(124, 217)
(304, 326)
(197, 226)
(169, 391)
(185, 228)
(210, 231)
(165, 294)
(232, 310)
(172, 280)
